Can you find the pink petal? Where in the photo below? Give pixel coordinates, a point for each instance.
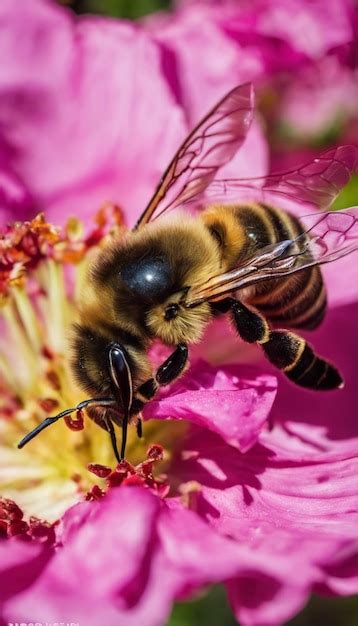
(126, 559)
(327, 420)
(20, 565)
(310, 27)
(76, 122)
(15, 201)
(320, 97)
(234, 401)
(292, 494)
(199, 86)
(278, 501)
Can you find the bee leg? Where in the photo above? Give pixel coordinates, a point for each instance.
(169, 371)
(173, 365)
(139, 428)
(286, 350)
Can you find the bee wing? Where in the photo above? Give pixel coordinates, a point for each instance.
(316, 183)
(328, 236)
(209, 146)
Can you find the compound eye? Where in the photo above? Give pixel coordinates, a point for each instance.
(149, 278)
(171, 311)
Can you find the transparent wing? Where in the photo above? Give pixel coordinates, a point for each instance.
(328, 236)
(209, 146)
(316, 183)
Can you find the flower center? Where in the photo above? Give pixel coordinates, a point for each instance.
(41, 270)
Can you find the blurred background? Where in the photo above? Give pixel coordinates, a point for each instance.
(337, 124)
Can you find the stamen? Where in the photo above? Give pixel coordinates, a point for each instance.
(37, 304)
(75, 424)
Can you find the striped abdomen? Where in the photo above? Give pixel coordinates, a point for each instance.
(297, 301)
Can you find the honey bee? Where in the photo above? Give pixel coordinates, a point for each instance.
(234, 252)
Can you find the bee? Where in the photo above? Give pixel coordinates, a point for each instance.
(236, 251)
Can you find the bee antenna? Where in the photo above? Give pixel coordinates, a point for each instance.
(51, 420)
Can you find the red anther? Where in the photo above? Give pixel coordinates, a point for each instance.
(3, 528)
(48, 404)
(18, 528)
(116, 478)
(54, 380)
(47, 353)
(9, 510)
(94, 494)
(102, 471)
(30, 245)
(42, 531)
(94, 237)
(108, 213)
(125, 466)
(155, 452)
(122, 471)
(146, 467)
(134, 480)
(75, 424)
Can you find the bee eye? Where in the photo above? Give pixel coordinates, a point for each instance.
(171, 311)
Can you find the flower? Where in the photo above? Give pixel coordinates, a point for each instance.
(301, 56)
(64, 120)
(255, 487)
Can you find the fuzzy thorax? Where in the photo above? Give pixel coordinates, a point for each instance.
(188, 326)
(190, 256)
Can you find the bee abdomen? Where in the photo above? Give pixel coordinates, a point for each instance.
(240, 231)
(300, 363)
(299, 300)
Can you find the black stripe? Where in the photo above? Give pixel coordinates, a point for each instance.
(257, 234)
(294, 287)
(305, 362)
(319, 375)
(308, 306)
(305, 304)
(310, 323)
(218, 232)
(281, 231)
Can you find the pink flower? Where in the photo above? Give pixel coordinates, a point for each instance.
(270, 19)
(65, 118)
(301, 56)
(14, 197)
(262, 493)
(125, 559)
